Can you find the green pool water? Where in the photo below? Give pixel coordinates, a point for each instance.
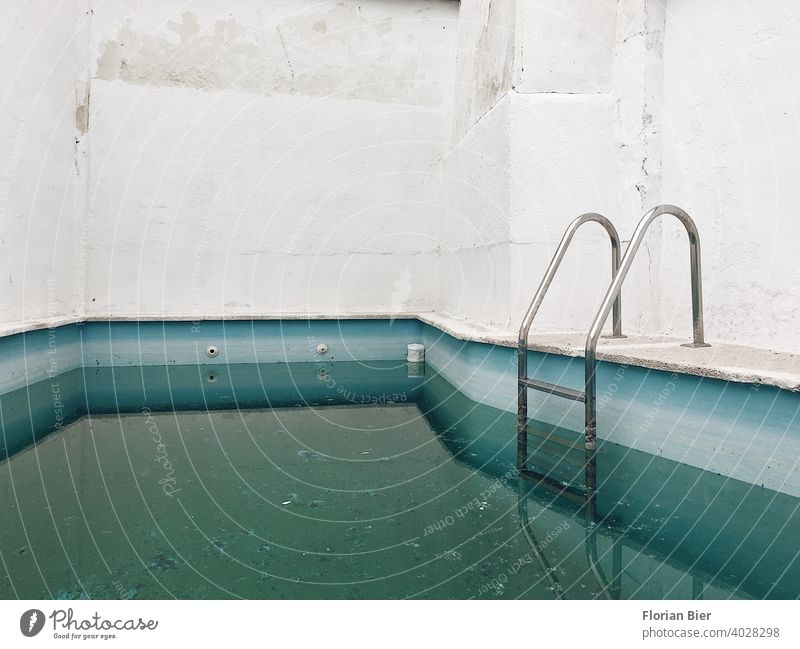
(347, 480)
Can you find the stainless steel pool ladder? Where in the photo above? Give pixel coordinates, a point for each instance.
(524, 381)
(611, 300)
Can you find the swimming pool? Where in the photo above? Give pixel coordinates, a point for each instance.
(141, 467)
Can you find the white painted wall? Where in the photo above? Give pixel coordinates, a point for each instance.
(267, 157)
(547, 149)
(271, 156)
(565, 46)
(38, 242)
(474, 172)
(732, 157)
(617, 107)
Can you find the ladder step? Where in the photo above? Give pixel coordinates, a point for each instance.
(571, 492)
(568, 454)
(552, 388)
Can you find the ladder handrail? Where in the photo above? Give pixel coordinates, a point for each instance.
(613, 293)
(555, 262)
(522, 350)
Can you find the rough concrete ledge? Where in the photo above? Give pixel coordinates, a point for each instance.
(214, 317)
(11, 328)
(720, 361)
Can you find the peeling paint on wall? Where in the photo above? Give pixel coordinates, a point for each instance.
(82, 112)
(348, 50)
(485, 65)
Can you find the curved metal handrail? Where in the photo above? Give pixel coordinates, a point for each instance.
(555, 262)
(613, 295)
(590, 354)
(524, 330)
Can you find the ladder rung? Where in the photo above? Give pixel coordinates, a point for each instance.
(561, 453)
(573, 493)
(552, 388)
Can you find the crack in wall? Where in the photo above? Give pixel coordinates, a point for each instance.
(286, 53)
(651, 132)
(451, 148)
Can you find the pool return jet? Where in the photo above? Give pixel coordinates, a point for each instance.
(611, 301)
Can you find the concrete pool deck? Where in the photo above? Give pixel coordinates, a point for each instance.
(719, 361)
